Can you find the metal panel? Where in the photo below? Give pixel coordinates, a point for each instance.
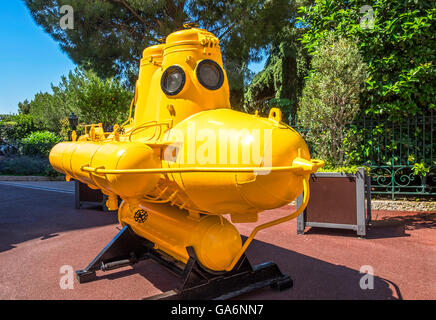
(332, 199)
(332, 225)
(300, 218)
(324, 210)
(360, 202)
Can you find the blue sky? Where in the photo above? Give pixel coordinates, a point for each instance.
(30, 60)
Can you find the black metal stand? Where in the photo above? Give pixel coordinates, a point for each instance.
(196, 282)
(126, 248)
(86, 195)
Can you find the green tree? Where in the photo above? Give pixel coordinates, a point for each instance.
(93, 99)
(246, 28)
(101, 100)
(48, 108)
(15, 127)
(280, 83)
(110, 35)
(330, 98)
(24, 107)
(396, 39)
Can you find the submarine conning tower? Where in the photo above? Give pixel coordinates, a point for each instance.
(181, 77)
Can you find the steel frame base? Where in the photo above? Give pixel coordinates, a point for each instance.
(126, 248)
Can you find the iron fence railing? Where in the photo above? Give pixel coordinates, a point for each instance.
(402, 158)
(401, 154)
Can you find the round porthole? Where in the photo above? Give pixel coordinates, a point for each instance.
(173, 80)
(210, 74)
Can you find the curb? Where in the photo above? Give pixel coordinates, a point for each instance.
(399, 205)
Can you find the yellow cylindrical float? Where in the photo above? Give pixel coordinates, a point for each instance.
(70, 157)
(215, 240)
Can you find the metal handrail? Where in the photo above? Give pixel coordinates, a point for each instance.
(306, 194)
(301, 166)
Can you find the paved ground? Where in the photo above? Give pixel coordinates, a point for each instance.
(40, 231)
(55, 186)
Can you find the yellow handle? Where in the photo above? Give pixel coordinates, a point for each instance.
(299, 166)
(273, 223)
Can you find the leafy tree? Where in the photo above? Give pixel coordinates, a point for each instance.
(92, 99)
(110, 35)
(330, 99)
(47, 109)
(15, 127)
(246, 28)
(24, 107)
(396, 39)
(280, 83)
(101, 100)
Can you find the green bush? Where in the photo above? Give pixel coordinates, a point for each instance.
(91, 98)
(39, 143)
(25, 165)
(330, 98)
(396, 39)
(347, 169)
(102, 100)
(15, 127)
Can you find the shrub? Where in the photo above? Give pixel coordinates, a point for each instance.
(15, 127)
(396, 39)
(24, 165)
(330, 98)
(347, 169)
(102, 100)
(39, 143)
(92, 99)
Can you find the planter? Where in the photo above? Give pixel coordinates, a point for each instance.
(339, 201)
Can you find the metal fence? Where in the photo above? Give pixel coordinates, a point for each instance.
(402, 157)
(401, 154)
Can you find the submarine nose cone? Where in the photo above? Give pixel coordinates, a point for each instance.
(275, 189)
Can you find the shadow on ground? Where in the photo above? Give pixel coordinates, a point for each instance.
(33, 214)
(410, 222)
(313, 278)
(386, 227)
(27, 214)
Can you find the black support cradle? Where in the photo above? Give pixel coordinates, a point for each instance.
(127, 248)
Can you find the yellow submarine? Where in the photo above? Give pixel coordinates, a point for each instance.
(184, 159)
